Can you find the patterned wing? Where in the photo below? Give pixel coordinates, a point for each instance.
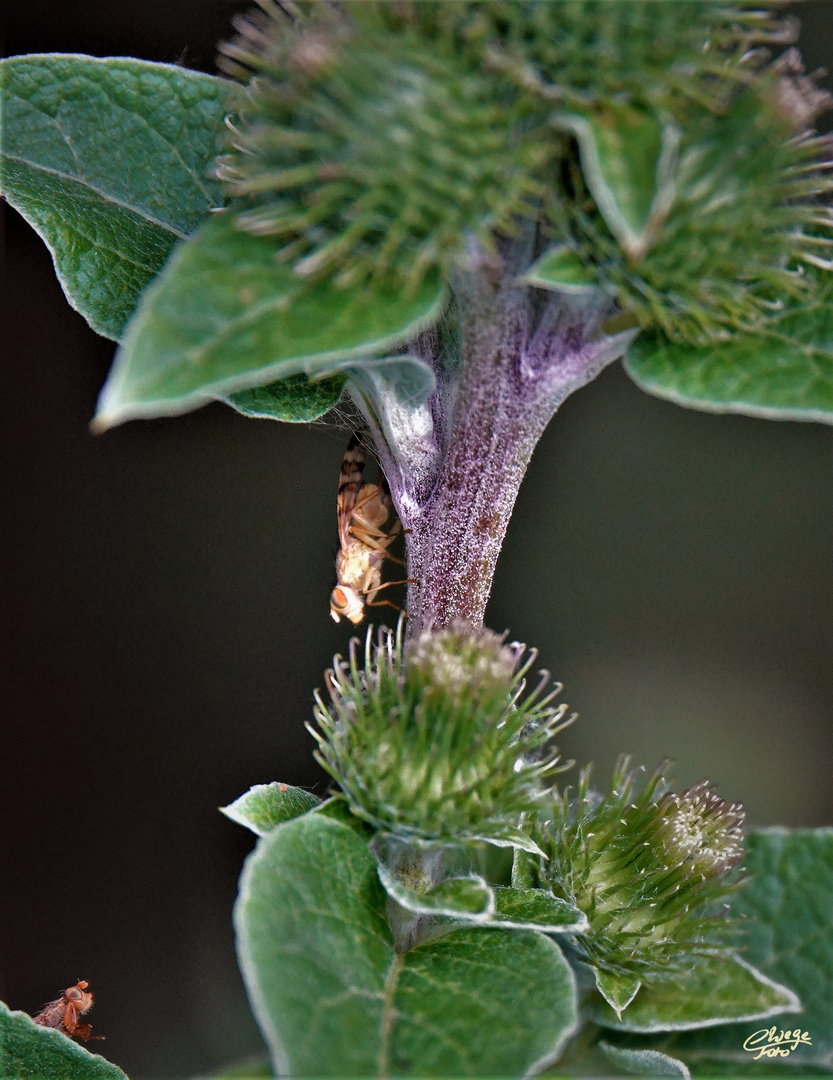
(52, 1014)
(349, 486)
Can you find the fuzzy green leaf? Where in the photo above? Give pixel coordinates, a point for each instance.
(507, 836)
(524, 874)
(644, 1062)
(456, 897)
(536, 909)
(617, 990)
(515, 991)
(407, 380)
(331, 994)
(472, 899)
(785, 375)
(789, 904)
(470, 895)
(109, 160)
(31, 1052)
(629, 159)
(395, 390)
(337, 808)
(266, 805)
(295, 400)
(225, 316)
(718, 990)
(562, 269)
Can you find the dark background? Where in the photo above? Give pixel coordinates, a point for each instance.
(165, 596)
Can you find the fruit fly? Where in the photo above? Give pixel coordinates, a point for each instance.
(363, 513)
(64, 1012)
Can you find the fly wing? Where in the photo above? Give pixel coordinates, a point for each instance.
(52, 1014)
(349, 486)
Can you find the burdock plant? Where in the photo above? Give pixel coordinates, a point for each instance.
(455, 215)
(650, 869)
(441, 742)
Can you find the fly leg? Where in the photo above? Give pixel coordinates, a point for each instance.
(71, 1024)
(388, 603)
(375, 539)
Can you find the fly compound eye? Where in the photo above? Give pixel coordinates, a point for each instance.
(338, 603)
(74, 994)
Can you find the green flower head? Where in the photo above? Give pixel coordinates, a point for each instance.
(658, 143)
(651, 869)
(368, 153)
(439, 740)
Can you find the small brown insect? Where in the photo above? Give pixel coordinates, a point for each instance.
(63, 1013)
(363, 511)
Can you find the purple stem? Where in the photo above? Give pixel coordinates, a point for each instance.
(522, 351)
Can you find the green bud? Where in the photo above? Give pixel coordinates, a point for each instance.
(656, 142)
(651, 869)
(751, 213)
(439, 741)
(368, 153)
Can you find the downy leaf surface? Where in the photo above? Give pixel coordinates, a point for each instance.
(109, 160)
(225, 315)
(333, 998)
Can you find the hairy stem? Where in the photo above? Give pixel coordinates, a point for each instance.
(519, 353)
(457, 531)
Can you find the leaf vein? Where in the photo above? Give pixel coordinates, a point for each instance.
(107, 197)
(198, 180)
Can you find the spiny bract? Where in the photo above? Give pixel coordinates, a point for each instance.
(369, 154)
(439, 741)
(747, 218)
(650, 869)
(380, 140)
